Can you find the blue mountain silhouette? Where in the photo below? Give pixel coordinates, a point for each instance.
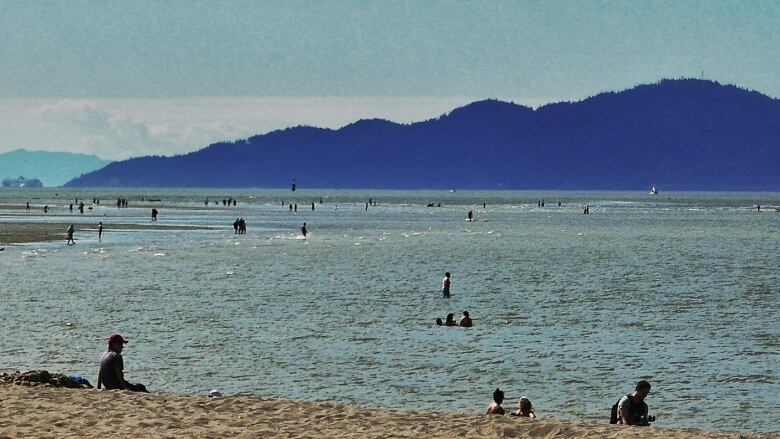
(682, 134)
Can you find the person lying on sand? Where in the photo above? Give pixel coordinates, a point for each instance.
(495, 407)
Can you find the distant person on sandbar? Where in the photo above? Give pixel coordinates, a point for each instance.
(100, 231)
(235, 226)
(71, 241)
(445, 285)
(154, 214)
(470, 215)
(303, 230)
(495, 407)
(46, 209)
(241, 226)
(111, 374)
(465, 321)
(758, 208)
(524, 409)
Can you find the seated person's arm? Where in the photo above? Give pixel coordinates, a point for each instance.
(120, 376)
(100, 378)
(625, 415)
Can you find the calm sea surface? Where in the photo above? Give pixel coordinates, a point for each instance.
(682, 289)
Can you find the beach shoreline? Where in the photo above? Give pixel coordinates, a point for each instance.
(58, 412)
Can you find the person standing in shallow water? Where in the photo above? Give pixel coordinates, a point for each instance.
(100, 231)
(71, 241)
(445, 285)
(303, 230)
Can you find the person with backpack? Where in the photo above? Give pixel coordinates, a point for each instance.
(632, 409)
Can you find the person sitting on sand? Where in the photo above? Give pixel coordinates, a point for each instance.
(524, 409)
(495, 407)
(111, 374)
(465, 321)
(633, 406)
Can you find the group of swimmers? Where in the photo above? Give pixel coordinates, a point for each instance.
(465, 320)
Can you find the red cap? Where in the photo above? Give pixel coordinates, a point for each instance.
(116, 338)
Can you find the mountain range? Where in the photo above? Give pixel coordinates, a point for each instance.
(682, 134)
(51, 168)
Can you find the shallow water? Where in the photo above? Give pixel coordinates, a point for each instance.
(681, 289)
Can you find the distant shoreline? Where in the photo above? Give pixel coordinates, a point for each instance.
(28, 232)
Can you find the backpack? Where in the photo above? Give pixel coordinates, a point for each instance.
(614, 417)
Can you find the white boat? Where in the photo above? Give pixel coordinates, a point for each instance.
(653, 191)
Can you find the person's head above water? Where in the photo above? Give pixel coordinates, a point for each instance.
(450, 318)
(498, 396)
(439, 322)
(447, 274)
(465, 313)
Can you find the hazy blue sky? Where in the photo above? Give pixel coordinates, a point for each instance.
(105, 76)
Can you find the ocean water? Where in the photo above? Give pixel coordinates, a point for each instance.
(681, 289)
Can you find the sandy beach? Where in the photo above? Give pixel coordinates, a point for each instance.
(31, 412)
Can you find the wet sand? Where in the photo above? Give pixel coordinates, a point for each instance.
(32, 412)
(26, 232)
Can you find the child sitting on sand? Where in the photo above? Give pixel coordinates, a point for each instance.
(524, 408)
(495, 407)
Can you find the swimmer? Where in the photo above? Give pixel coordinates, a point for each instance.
(465, 321)
(450, 320)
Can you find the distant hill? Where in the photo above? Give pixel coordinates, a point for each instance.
(51, 168)
(682, 134)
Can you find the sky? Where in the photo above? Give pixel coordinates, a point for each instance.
(127, 78)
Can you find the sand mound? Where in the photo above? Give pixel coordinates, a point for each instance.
(42, 378)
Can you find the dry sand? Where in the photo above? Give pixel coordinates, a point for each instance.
(33, 412)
